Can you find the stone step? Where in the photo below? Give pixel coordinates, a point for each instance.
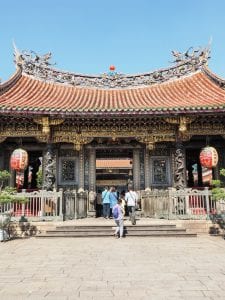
(112, 230)
(104, 234)
(109, 226)
(108, 230)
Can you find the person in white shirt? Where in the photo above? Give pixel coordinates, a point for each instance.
(131, 199)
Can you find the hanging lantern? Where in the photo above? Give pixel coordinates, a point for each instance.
(19, 160)
(208, 157)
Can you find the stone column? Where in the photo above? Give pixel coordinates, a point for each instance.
(81, 168)
(92, 169)
(92, 183)
(147, 167)
(136, 169)
(179, 167)
(49, 168)
(7, 155)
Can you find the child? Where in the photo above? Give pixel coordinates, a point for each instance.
(118, 213)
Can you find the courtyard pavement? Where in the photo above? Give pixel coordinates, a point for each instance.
(108, 268)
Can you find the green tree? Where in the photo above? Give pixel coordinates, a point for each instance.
(218, 190)
(8, 194)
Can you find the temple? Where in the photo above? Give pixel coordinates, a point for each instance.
(87, 131)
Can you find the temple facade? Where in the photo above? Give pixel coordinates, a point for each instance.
(86, 131)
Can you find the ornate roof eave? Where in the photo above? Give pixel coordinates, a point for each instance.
(218, 80)
(159, 112)
(5, 86)
(39, 66)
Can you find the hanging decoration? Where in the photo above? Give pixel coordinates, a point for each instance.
(208, 157)
(19, 160)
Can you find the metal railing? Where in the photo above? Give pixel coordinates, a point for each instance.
(40, 205)
(73, 204)
(179, 204)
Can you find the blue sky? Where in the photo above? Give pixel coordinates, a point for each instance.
(87, 36)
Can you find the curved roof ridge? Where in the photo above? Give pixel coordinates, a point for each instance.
(40, 67)
(131, 87)
(217, 79)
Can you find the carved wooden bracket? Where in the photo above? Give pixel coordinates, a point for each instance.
(150, 140)
(80, 140)
(182, 121)
(46, 123)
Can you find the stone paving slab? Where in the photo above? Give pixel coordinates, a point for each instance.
(137, 268)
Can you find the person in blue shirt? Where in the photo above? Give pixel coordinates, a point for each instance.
(106, 203)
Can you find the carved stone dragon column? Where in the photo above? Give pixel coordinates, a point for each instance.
(81, 167)
(49, 169)
(136, 169)
(147, 168)
(179, 167)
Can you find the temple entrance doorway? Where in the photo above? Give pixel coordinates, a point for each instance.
(114, 167)
(31, 175)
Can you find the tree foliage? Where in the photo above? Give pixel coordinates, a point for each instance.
(218, 190)
(8, 194)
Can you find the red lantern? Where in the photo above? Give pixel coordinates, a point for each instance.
(208, 157)
(19, 160)
(112, 68)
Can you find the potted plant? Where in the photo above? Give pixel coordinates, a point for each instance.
(8, 196)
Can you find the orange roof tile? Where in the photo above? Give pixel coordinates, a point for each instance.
(192, 92)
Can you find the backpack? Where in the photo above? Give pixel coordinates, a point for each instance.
(115, 212)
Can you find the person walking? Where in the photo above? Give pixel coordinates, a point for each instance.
(113, 198)
(118, 214)
(131, 199)
(106, 203)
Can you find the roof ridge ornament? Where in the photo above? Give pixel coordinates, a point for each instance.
(24, 57)
(198, 56)
(40, 67)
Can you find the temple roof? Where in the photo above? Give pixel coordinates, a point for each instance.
(187, 86)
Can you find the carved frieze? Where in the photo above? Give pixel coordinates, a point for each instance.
(82, 131)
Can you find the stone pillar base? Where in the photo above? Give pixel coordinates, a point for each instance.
(91, 214)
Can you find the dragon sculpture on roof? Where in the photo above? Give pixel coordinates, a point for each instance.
(40, 67)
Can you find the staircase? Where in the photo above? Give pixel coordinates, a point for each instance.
(157, 230)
